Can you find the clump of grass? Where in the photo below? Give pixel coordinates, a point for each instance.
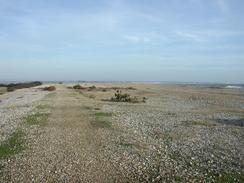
(101, 120)
(36, 118)
(13, 145)
(49, 88)
(228, 177)
(175, 155)
(125, 97)
(103, 114)
(178, 179)
(78, 87)
(87, 107)
(126, 144)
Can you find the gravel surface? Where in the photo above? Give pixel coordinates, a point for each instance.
(14, 106)
(181, 134)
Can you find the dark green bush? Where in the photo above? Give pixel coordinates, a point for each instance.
(123, 97)
(78, 87)
(14, 86)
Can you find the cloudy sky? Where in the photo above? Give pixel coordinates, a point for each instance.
(139, 40)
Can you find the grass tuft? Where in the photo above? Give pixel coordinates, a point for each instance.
(229, 178)
(36, 118)
(13, 145)
(101, 120)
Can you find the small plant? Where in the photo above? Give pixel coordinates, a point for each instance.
(144, 99)
(124, 97)
(120, 97)
(49, 88)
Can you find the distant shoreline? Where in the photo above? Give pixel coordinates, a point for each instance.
(203, 84)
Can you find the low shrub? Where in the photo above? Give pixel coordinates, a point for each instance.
(78, 87)
(14, 86)
(130, 88)
(49, 88)
(123, 97)
(92, 88)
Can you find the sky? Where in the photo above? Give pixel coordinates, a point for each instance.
(122, 40)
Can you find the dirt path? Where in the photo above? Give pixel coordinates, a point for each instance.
(67, 148)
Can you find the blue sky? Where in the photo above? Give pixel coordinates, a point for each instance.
(142, 40)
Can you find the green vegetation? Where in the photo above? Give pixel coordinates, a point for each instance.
(175, 155)
(124, 97)
(178, 179)
(14, 86)
(126, 144)
(87, 107)
(229, 177)
(36, 118)
(13, 145)
(103, 114)
(49, 88)
(3, 90)
(92, 87)
(78, 87)
(101, 120)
